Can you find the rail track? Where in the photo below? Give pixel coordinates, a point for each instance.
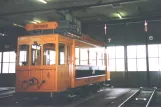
(141, 98)
(110, 97)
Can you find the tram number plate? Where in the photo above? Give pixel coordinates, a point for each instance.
(41, 26)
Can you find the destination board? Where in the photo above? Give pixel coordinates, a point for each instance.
(41, 26)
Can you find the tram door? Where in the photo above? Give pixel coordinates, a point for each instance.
(64, 67)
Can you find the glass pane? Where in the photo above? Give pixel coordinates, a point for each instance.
(23, 57)
(84, 63)
(84, 54)
(120, 52)
(0, 56)
(92, 54)
(93, 62)
(120, 65)
(111, 52)
(12, 56)
(5, 67)
(61, 53)
(141, 51)
(159, 64)
(77, 56)
(52, 57)
(141, 65)
(112, 65)
(131, 51)
(36, 54)
(0, 67)
(77, 62)
(153, 50)
(160, 50)
(5, 56)
(99, 59)
(49, 54)
(12, 68)
(153, 64)
(77, 52)
(99, 62)
(131, 64)
(62, 59)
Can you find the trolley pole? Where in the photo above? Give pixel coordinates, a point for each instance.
(105, 36)
(147, 53)
(105, 54)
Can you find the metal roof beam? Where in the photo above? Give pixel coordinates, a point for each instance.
(138, 19)
(69, 8)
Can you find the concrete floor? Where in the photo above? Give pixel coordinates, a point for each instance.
(100, 98)
(108, 97)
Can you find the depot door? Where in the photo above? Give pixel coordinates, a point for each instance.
(64, 66)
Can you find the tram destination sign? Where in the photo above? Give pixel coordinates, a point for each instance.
(42, 26)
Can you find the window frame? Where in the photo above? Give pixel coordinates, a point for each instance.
(157, 57)
(77, 57)
(44, 51)
(8, 63)
(136, 58)
(40, 56)
(27, 56)
(115, 58)
(93, 59)
(65, 51)
(86, 58)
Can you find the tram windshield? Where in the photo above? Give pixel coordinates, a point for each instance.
(49, 54)
(36, 54)
(23, 55)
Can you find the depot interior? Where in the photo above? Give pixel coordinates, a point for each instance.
(133, 31)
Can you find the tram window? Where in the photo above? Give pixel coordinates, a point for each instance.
(61, 53)
(100, 60)
(0, 60)
(0, 56)
(77, 56)
(23, 57)
(49, 54)
(83, 56)
(92, 56)
(36, 54)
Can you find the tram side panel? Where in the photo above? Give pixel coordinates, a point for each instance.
(86, 74)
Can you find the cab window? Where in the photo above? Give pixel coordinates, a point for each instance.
(49, 54)
(77, 56)
(61, 53)
(23, 55)
(36, 54)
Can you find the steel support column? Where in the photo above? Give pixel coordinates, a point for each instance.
(147, 59)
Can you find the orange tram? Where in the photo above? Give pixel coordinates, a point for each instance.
(51, 60)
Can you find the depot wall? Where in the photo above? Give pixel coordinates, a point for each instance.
(124, 35)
